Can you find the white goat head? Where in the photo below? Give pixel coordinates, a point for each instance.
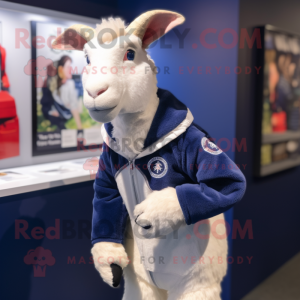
(120, 75)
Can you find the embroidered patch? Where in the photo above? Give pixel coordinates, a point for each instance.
(210, 147)
(157, 167)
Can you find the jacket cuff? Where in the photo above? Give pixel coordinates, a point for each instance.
(118, 241)
(183, 203)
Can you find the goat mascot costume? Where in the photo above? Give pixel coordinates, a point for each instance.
(162, 186)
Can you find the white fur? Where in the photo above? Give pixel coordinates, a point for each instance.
(106, 253)
(130, 101)
(109, 29)
(136, 285)
(162, 211)
(210, 293)
(133, 128)
(129, 91)
(201, 283)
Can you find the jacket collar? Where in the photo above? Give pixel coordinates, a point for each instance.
(171, 119)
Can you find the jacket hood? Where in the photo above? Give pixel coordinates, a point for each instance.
(170, 120)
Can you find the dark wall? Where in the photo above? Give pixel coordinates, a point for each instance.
(272, 203)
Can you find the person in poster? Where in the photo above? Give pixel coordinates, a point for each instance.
(60, 101)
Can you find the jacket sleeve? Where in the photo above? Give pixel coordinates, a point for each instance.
(109, 211)
(216, 182)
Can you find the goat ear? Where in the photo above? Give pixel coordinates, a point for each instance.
(74, 38)
(153, 24)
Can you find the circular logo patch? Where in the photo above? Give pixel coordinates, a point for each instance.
(157, 167)
(210, 147)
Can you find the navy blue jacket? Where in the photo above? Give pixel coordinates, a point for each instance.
(177, 153)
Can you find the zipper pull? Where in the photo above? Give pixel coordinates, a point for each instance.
(131, 165)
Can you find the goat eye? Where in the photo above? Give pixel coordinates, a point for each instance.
(87, 60)
(129, 55)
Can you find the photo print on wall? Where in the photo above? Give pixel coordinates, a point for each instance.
(278, 102)
(60, 122)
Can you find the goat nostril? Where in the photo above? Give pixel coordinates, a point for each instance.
(101, 92)
(98, 93)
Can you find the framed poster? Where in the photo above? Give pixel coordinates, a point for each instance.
(60, 122)
(277, 133)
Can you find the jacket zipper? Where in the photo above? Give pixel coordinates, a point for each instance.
(132, 166)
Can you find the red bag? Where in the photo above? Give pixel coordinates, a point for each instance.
(4, 78)
(9, 126)
(9, 122)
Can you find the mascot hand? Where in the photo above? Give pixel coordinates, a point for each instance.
(110, 259)
(159, 214)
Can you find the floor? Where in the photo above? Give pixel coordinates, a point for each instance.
(284, 284)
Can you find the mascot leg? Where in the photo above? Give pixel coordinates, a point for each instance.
(138, 289)
(135, 277)
(209, 293)
(203, 281)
